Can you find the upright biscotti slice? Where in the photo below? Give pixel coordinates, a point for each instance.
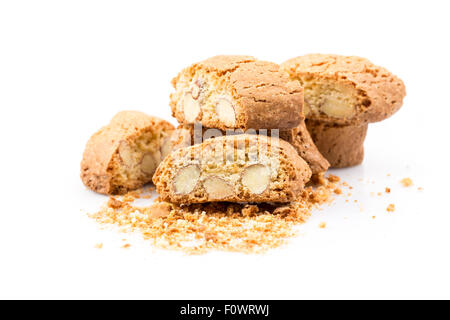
(240, 168)
(343, 146)
(124, 155)
(342, 95)
(299, 138)
(237, 92)
(345, 90)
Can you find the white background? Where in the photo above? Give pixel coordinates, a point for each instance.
(66, 67)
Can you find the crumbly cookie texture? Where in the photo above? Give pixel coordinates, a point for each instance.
(240, 168)
(345, 90)
(342, 146)
(299, 138)
(124, 155)
(228, 92)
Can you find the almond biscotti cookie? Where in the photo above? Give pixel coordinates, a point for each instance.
(299, 138)
(124, 155)
(237, 92)
(345, 90)
(343, 146)
(240, 168)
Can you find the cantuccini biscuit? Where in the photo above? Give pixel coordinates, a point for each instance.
(237, 92)
(299, 138)
(345, 90)
(124, 155)
(342, 95)
(343, 146)
(240, 168)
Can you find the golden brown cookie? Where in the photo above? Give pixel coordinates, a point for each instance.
(237, 92)
(345, 90)
(240, 168)
(124, 155)
(342, 146)
(299, 138)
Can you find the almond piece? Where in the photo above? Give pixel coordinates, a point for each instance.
(195, 91)
(126, 154)
(148, 164)
(226, 113)
(256, 178)
(186, 179)
(217, 188)
(191, 108)
(166, 147)
(337, 108)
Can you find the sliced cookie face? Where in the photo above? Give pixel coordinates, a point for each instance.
(236, 92)
(299, 138)
(241, 168)
(342, 146)
(345, 90)
(124, 155)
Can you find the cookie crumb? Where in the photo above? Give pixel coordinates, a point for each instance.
(98, 246)
(126, 246)
(390, 208)
(420, 188)
(373, 217)
(199, 228)
(406, 182)
(337, 191)
(322, 225)
(387, 190)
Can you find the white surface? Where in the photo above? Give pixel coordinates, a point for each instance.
(67, 67)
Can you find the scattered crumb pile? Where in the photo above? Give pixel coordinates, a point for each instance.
(249, 228)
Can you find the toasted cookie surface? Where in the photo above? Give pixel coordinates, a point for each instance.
(240, 168)
(228, 92)
(124, 155)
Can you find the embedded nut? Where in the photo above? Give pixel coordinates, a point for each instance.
(195, 91)
(226, 113)
(126, 154)
(217, 188)
(166, 147)
(186, 179)
(256, 178)
(191, 108)
(148, 164)
(336, 108)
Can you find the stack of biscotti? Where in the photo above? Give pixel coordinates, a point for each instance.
(343, 94)
(242, 136)
(226, 95)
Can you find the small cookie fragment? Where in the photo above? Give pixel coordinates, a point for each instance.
(124, 155)
(390, 208)
(228, 92)
(240, 168)
(406, 182)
